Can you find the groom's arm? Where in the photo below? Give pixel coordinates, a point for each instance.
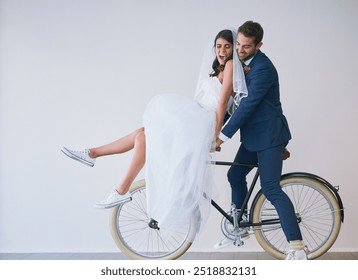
(259, 83)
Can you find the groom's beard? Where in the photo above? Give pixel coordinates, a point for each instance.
(247, 56)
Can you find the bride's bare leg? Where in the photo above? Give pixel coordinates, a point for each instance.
(136, 141)
(119, 146)
(136, 164)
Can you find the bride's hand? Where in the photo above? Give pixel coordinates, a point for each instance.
(218, 144)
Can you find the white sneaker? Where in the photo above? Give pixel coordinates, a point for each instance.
(224, 243)
(113, 200)
(81, 155)
(296, 255)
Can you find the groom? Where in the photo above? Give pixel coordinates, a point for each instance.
(264, 134)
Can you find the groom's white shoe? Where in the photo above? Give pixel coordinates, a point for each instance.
(227, 241)
(223, 243)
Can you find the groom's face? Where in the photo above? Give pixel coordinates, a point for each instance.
(246, 47)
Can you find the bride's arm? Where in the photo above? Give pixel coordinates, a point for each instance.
(225, 93)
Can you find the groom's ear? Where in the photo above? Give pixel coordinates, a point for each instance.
(258, 46)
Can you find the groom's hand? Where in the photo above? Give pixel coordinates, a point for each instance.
(286, 154)
(218, 144)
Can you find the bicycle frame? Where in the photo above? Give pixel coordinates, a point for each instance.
(246, 200)
(252, 186)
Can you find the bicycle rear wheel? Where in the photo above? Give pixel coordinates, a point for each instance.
(316, 208)
(130, 230)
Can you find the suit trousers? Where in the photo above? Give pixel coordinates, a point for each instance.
(270, 167)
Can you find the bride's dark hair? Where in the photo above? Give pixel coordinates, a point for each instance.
(225, 34)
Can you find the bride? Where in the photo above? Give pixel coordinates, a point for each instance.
(178, 136)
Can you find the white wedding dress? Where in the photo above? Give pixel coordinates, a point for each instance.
(179, 137)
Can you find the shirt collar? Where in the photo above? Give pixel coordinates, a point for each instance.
(247, 62)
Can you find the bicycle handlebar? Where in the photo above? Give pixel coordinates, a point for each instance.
(229, 163)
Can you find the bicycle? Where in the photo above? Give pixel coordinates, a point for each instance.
(318, 206)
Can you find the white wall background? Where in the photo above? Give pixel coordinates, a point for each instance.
(80, 73)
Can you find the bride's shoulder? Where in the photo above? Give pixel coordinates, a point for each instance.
(228, 70)
(229, 65)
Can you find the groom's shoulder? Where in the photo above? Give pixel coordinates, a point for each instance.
(262, 60)
(262, 57)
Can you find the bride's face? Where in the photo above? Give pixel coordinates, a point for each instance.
(223, 49)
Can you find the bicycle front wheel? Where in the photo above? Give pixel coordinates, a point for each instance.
(317, 211)
(134, 236)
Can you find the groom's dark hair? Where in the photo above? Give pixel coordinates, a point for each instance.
(252, 30)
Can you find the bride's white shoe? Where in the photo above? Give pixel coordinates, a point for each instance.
(113, 200)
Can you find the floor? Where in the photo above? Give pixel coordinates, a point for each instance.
(187, 256)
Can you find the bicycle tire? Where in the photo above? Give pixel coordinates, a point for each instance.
(133, 236)
(315, 205)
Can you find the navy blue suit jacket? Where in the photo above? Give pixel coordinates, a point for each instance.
(259, 116)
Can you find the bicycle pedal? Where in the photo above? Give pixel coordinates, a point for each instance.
(238, 242)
